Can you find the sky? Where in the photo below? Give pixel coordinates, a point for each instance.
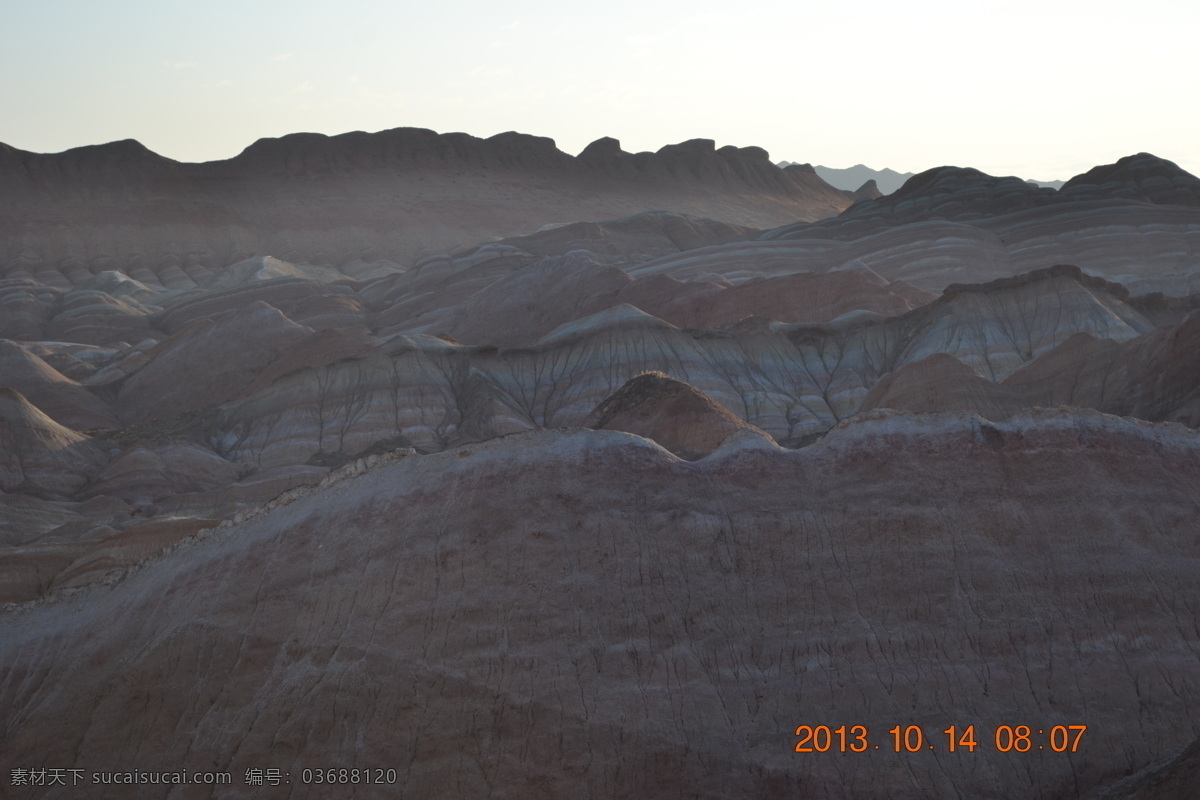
(1044, 90)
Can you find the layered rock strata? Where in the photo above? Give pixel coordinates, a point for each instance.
(560, 613)
(792, 381)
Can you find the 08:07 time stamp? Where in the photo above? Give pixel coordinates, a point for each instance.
(913, 739)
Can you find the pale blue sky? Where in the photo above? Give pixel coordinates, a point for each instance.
(1038, 89)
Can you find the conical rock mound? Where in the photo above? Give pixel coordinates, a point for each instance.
(38, 454)
(675, 414)
(63, 399)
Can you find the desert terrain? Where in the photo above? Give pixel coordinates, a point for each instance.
(484, 470)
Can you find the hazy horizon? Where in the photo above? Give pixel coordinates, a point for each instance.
(1011, 88)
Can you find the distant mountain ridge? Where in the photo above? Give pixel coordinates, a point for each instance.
(887, 180)
(964, 193)
(852, 179)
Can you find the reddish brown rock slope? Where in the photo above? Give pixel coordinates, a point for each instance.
(676, 415)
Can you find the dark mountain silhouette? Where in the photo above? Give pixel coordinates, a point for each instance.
(360, 202)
